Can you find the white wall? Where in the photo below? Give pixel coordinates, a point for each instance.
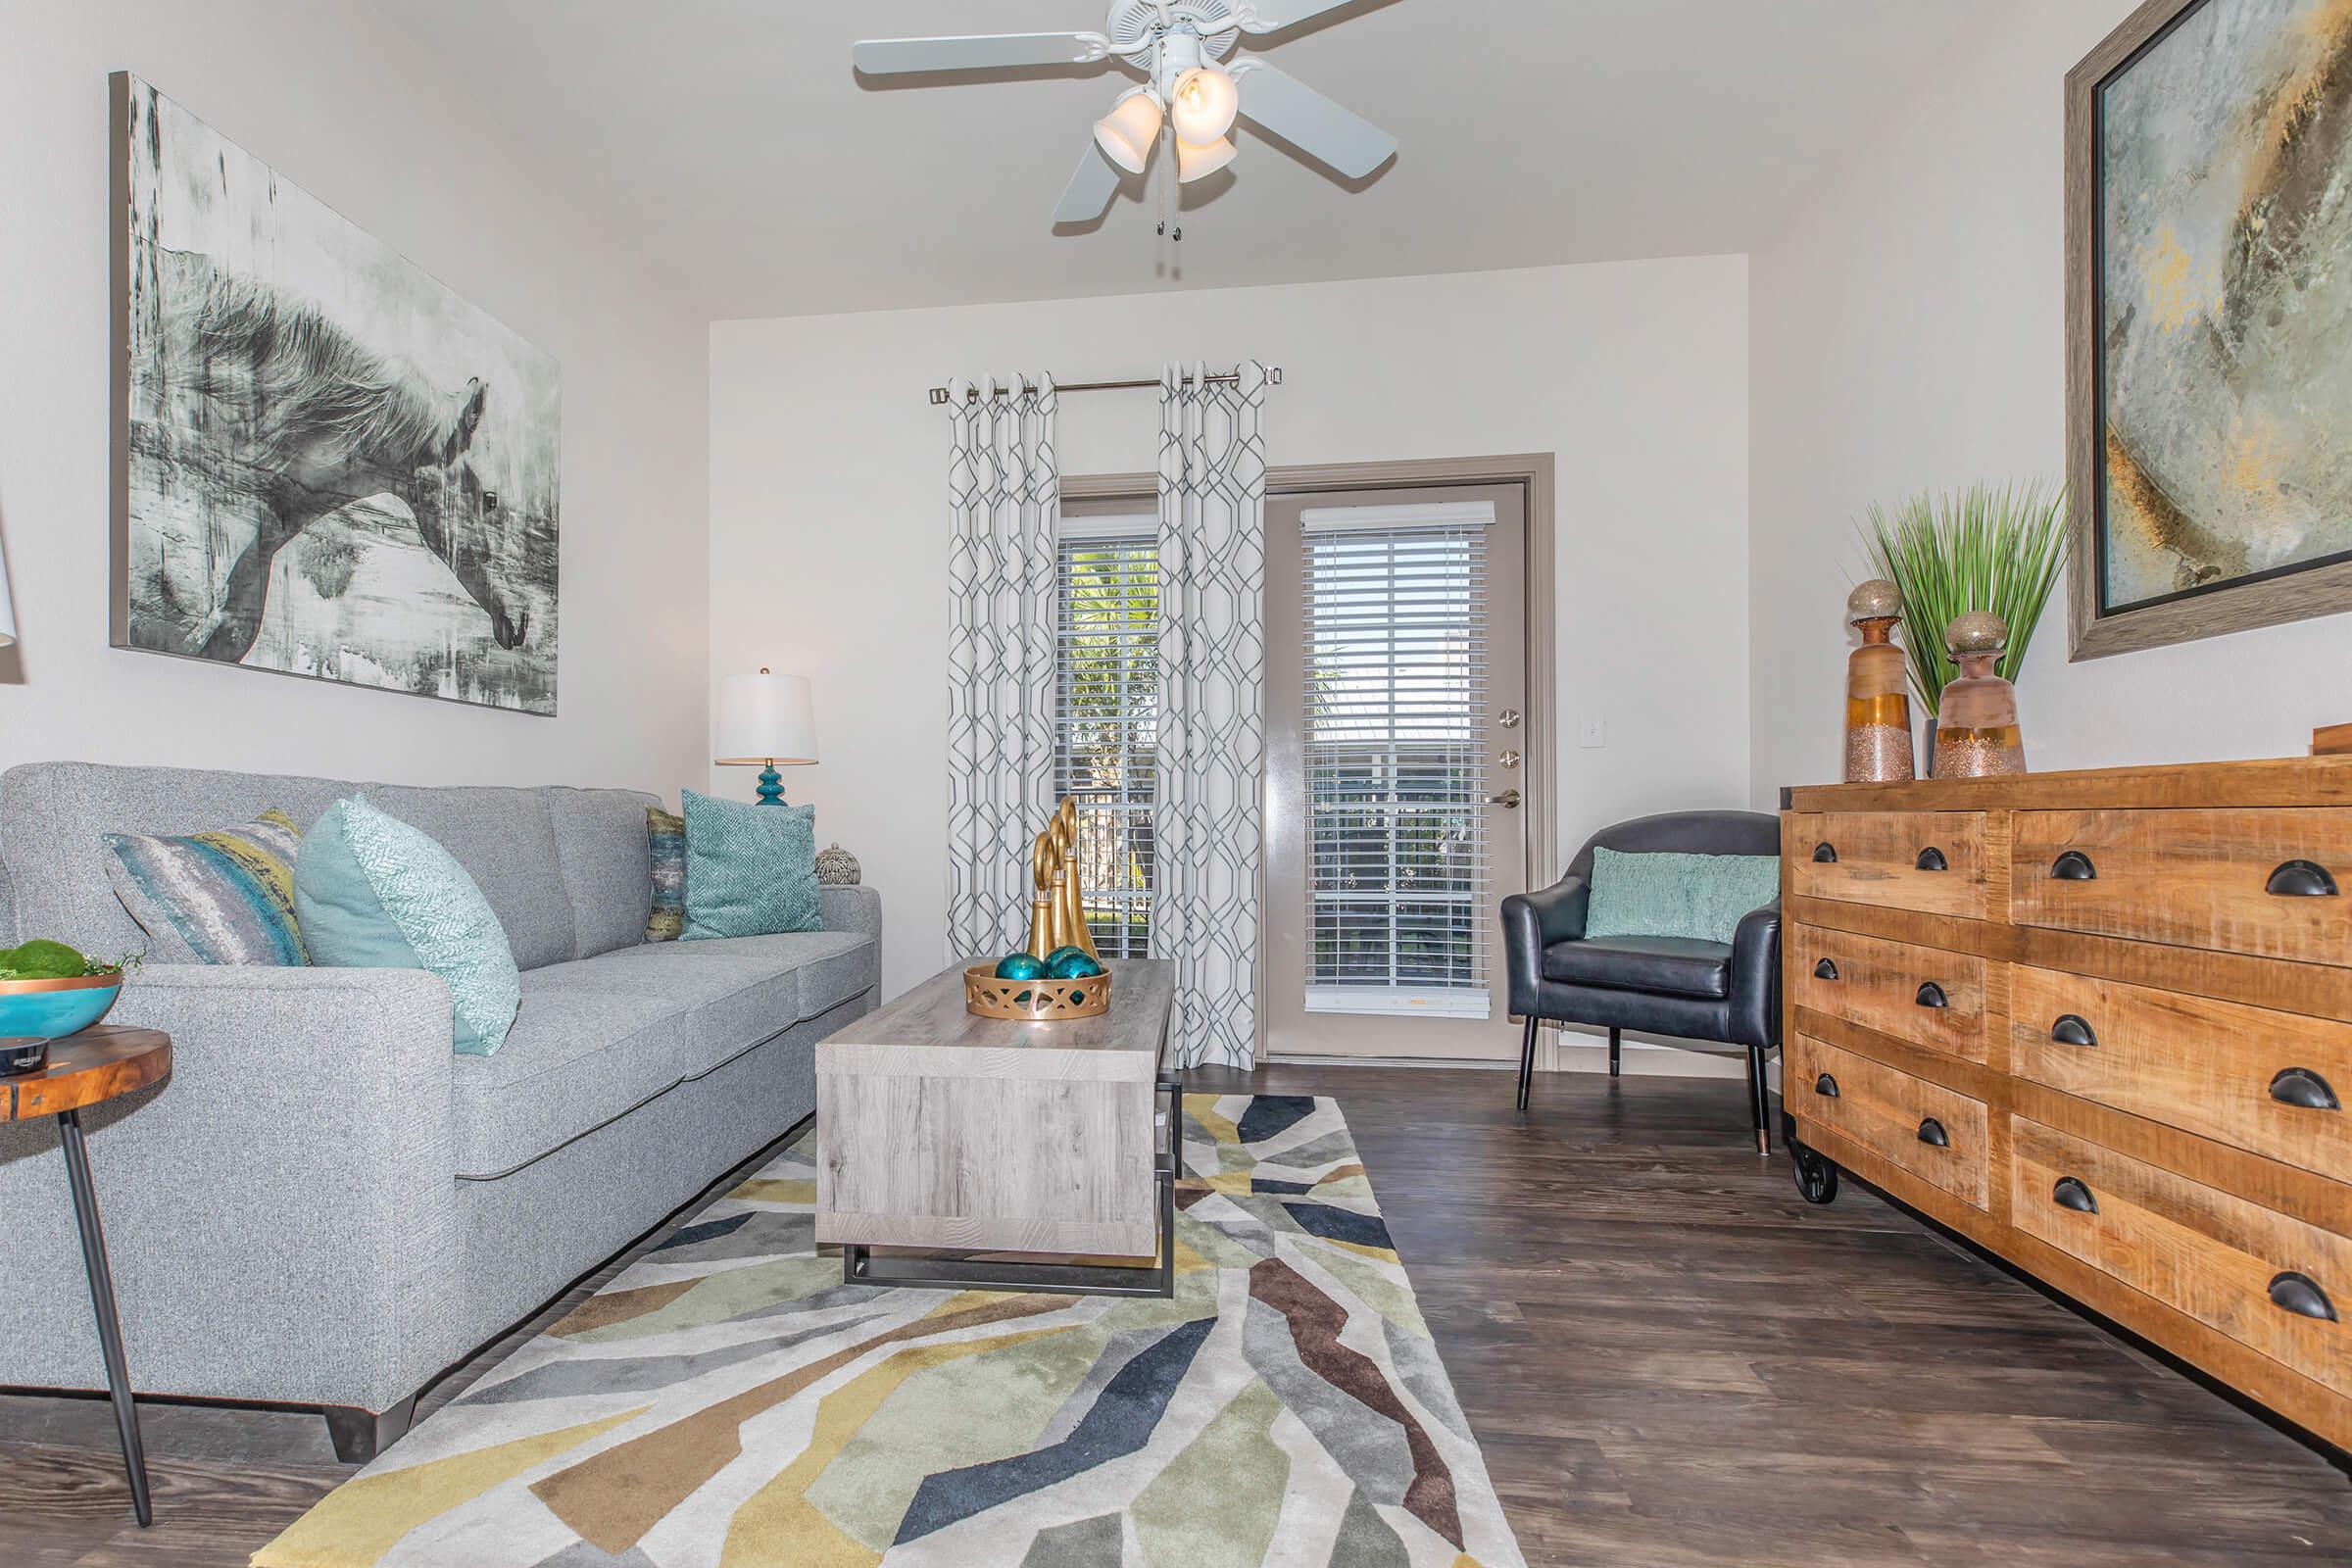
(829, 517)
(1907, 332)
(347, 108)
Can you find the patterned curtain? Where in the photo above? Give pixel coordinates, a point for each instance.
(1212, 734)
(1006, 494)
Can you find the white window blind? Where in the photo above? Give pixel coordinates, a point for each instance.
(1396, 758)
(1108, 585)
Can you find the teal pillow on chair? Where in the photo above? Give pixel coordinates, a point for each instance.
(374, 893)
(751, 870)
(1703, 895)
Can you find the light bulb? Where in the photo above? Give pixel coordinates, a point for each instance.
(1203, 105)
(1127, 132)
(1192, 163)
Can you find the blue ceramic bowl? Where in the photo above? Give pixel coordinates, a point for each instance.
(42, 1010)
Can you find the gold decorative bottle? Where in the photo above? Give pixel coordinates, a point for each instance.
(1975, 721)
(1877, 714)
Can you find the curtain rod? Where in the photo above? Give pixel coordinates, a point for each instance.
(941, 396)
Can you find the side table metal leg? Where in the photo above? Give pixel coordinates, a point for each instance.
(102, 1301)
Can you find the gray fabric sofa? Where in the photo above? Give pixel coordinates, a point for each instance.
(326, 1206)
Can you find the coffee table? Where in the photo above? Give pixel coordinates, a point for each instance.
(956, 1135)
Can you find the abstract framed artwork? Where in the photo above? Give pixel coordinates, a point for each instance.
(2209, 321)
(326, 462)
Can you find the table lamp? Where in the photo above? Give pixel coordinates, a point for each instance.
(765, 721)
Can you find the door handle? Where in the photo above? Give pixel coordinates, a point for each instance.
(2073, 1029)
(2073, 866)
(2300, 879)
(2301, 1086)
(1931, 858)
(1508, 800)
(2301, 1294)
(1826, 1086)
(1932, 1134)
(1825, 970)
(1825, 855)
(1931, 995)
(2070, 1193)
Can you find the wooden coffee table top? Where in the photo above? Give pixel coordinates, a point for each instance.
(87, 1068)
(925, 1031)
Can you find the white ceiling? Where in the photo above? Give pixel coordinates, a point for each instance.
(732, 144)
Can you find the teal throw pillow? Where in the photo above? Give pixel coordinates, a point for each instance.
(1700, 895)
(751, 870)
(374, 893)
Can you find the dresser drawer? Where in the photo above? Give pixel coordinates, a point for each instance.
(1927, 1129)
(1924, 995)
(2268, 1280)
(2269, 883)
(1931, 862)
(2272, 1082)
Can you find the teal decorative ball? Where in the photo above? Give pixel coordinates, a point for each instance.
(1061, 953)
(1071, 964)
(1021, 967)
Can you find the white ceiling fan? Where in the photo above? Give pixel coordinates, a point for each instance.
(1179, 47)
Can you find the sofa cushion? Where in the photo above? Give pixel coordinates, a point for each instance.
(598, 1037)
(832, 965)
(1675, 966)
(602, 851)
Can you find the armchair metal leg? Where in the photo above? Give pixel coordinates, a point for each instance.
(1612, 1052)
(1758, 1096)
(1526, 1059)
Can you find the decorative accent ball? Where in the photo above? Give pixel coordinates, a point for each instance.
(1021, 967)
(1064, 952)
(1071, 964)
(1979, 632)
(1875, 600)
(837, 867)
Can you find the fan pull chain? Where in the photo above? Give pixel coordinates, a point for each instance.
(1166, 143)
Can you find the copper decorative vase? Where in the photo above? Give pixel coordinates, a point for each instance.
(1975, 721)
(1877, 714)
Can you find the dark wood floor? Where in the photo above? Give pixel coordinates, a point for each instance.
(1668, 1357)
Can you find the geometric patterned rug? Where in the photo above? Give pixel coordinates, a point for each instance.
(728, 1402)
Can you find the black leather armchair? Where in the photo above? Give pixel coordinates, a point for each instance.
(1666, 985)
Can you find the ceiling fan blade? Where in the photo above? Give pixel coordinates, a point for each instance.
(1311, 122)
(1272, 16)
(1090, 190)
(996, 51)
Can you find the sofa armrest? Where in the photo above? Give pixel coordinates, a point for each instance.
(281, 1214)
(1534, 921)
(852, 908)
(1756, 977)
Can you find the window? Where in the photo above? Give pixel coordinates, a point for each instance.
(1106, 723)
(1395, 666)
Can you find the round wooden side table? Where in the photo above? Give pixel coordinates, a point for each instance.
(88, 1070)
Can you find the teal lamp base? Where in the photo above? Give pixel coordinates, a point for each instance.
(771, 787)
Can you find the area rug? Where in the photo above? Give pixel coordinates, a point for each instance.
(728, 1402)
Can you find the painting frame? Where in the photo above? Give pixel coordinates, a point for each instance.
(2296, 591)
(324, 463)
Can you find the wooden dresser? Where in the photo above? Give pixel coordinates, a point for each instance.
(2101, 1023)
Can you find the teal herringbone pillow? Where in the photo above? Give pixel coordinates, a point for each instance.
(374, 893)
(1700, 895)
(751, 870)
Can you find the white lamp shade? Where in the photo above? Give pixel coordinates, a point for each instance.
(1192, 163)
(764, 718)
(1202, 105)
(1127, 132)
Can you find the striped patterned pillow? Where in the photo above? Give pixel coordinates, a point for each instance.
(223, 897)
(665, 832)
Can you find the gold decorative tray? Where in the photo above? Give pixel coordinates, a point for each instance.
(1034, 1001)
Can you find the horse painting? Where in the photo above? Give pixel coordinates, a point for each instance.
(260, 419)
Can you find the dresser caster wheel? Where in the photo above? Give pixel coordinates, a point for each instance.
(1816, 1173)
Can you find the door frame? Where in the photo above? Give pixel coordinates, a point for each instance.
(1538, 598)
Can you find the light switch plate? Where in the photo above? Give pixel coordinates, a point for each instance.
(1592, 732)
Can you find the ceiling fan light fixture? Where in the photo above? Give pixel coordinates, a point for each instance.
(1197, 162)
(1202, 105)
(1127, 132)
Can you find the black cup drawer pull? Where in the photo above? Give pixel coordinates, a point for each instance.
(1932, 1134)
(2301, 1294)
(2073, 866)
(1824, 854)
(1826, 1086)
(1931, 858)
(2072, 1194)
(2300, 879)
(1931, 995)
(2303, 1087)
(1825, 970)
(2073, 1029)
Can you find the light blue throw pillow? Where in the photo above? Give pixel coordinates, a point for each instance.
(374, 893)
(1700, 895)
(751, 870)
